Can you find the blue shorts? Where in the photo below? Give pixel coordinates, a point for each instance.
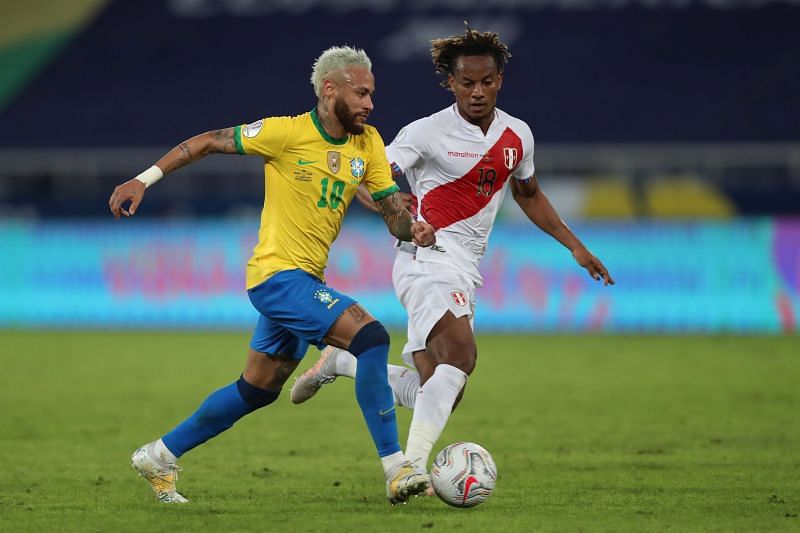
(296, 309)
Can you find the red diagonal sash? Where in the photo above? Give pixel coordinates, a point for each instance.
(463, 198)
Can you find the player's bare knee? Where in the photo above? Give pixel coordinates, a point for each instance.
(281, 373)
(268, 371)
(462, 355)
(466, 364)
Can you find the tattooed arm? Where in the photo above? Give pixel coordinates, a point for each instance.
(189, 151)
(199, 146)
(401, 224)
(365, 199)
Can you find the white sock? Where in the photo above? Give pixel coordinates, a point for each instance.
(433, 406)
(162, 453)
(345, 363)
(404, 380)
(405, 384)
(391, 462)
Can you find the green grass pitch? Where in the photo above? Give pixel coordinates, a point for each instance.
(589, 433)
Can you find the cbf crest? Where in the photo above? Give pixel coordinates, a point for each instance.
(510, 157)
(325, 298)
(357, 167)
(334, 161)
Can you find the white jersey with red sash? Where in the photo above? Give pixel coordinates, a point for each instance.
(459, 177)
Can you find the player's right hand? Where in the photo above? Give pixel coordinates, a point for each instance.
(593, 265)
(424, 234)
(133, 191)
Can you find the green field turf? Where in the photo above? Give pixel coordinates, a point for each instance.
(596, 433)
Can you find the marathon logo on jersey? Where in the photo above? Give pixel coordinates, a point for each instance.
(470, 155)
(251, 130)
(510, 157)
(357, 167)
(324, 297)
(459, 298)
(334, 161)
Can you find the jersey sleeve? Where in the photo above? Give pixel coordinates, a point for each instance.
(266, 137)
(526, 168)
(408, 148)
(378, 177)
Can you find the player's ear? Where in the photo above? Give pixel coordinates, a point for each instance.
(328, 88)
(499, 80)
(451, 82)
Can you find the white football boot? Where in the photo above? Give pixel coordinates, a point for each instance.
(322, 373)
(406, 481)
(161, 476)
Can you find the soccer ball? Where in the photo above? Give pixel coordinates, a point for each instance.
(463, 474)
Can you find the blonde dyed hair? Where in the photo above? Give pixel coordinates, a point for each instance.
(333, 59)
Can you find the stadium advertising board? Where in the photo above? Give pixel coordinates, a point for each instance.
(737, 276)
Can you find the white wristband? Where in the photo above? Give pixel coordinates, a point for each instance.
(150, 176)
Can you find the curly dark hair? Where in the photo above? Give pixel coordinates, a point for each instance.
(445, 52)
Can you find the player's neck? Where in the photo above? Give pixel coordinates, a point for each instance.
(329, 122)
(483, 123)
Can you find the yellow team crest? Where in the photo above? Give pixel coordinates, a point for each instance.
(334, 161)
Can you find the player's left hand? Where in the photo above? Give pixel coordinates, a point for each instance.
(424, 234)
(593, 265)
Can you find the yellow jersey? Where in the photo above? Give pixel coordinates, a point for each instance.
(310, 178)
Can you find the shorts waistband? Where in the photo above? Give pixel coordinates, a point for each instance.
(407, 247)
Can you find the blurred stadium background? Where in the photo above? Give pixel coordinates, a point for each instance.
(668, 134)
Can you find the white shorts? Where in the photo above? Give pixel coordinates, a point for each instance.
(428, 291)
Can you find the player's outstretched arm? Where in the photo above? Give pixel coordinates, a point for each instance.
(402, 225)
(538, 208)
(189, 151)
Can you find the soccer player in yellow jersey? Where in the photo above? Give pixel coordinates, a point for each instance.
(313, 165)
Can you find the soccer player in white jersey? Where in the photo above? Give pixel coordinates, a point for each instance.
(459, 163)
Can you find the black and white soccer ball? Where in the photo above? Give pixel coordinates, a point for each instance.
(463, 474)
